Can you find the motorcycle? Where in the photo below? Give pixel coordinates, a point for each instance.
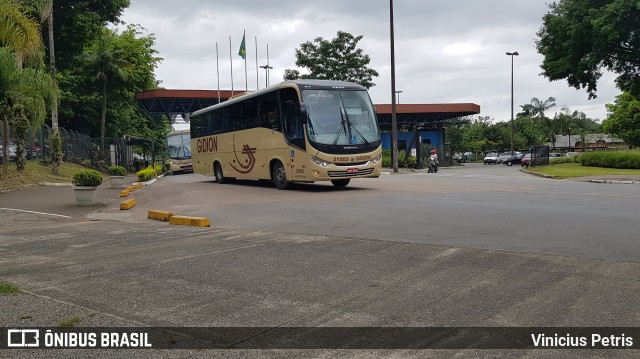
(433, 166)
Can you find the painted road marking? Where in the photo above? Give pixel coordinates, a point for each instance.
(33, 212)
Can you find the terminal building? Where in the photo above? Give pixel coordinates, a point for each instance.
(417, 123)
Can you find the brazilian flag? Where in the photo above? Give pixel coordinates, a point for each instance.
(243, 50)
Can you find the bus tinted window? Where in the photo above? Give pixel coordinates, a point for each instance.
(269, 114)
(293, 120)
(218, 122)
(250, 114)
(234, 118)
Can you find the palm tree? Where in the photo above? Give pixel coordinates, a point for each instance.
(24, 97)
(539, 107)
(527, 110)
(107, 62)
(20, 36)
(45, 9)
(19, 33)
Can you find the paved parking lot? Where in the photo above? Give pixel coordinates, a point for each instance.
(403, 250)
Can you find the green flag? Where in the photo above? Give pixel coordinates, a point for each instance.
(243, 50)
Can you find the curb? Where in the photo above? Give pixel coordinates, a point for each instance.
(614, 182)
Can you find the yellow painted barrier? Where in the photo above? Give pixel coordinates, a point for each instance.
(163, 216)
(125, 193)
(190, 221)
(130, 188)
(138, 185)
(128, 204)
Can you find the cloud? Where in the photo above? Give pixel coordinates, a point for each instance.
(446, 51)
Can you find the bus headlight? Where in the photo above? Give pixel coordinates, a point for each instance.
(376, 160)
(319, 162)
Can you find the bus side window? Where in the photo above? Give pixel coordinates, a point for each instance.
(209, 123)
(218, 122)
(269, 117)
(292, 118)
(250, 114)
(196, 126)
(234, 119)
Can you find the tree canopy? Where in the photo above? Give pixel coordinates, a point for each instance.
(580, 38)
(338, 59)
(624, 119)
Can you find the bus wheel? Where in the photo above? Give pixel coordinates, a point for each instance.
(217, 170)
(341, 182)
(280, 176)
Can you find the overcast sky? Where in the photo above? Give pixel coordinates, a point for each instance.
(446, 51)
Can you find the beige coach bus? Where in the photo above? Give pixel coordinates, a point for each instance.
(179, 151)
(296, 131)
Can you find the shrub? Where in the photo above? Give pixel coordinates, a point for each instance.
(611, 159)
(87, 178)
(117, 171)
(146, 174)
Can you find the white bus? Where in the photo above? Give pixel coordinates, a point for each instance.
(179, 151)
(296, 131)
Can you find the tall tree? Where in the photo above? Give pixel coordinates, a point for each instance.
(580, 38)
(107, 63)
(539, 107)
(624, 119)
(338, 59)
(25, 95)
(44, 10)
(19, 33)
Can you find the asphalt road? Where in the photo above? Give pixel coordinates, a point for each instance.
(492, 207)
(471, 246)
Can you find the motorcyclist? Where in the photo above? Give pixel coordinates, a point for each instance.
(434, 158)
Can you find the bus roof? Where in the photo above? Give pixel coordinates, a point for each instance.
(300, 84)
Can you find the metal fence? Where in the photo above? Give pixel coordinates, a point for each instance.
(80, 148)
(539, 155)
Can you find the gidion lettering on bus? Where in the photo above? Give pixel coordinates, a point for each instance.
(205, 145)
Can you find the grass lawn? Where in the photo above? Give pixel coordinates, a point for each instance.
(36, 173)
(569, 170)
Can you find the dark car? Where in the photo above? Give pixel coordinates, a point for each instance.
(514, 159)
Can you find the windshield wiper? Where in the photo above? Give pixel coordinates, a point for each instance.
(353, 127)
(341, 128)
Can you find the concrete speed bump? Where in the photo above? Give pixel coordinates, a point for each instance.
(130, 188)
(163, 216)
(138, 185)
(190, 221)
(125, 193)
(128, 204)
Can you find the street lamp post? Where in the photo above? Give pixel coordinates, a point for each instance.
(512, 54)
(394, 120)
(266, 69)
(398, 93)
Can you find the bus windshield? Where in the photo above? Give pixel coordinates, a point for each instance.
(340, 117)
(179, 146)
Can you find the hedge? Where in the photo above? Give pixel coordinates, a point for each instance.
(611, 159)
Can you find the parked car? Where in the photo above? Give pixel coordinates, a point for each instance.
(554, 155)
(505, 156)
(514, 159)
(491, 157)
(525, 161)
(12, 151)
(569, 154)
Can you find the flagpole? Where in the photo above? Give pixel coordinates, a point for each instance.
(246, 81)
(231, 60)
(257, 75)
(218, 71)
